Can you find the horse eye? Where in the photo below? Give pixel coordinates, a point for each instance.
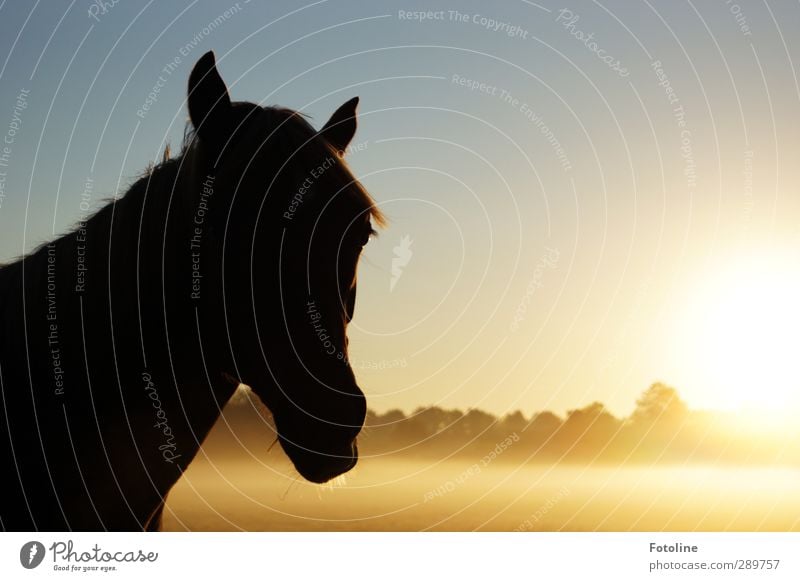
(366, 237)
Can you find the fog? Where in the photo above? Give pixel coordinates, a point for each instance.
(664, 468)
(414, 495)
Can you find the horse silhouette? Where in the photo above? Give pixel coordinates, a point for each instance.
(120, 342)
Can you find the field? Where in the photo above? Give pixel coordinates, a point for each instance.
(410, 495)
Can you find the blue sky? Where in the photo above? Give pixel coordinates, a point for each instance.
(529, 285)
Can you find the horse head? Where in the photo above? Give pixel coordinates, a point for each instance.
(290, 223)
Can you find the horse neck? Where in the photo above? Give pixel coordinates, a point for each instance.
(174, 237)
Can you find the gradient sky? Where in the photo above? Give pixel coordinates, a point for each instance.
(616, 259)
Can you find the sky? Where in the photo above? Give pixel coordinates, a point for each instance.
(583, 197)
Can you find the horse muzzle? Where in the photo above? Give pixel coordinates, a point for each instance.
(320, 466)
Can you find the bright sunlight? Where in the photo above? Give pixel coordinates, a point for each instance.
(739, 335)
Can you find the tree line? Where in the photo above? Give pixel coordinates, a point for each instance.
(661, 428)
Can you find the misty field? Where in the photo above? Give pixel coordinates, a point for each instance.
(412, 495)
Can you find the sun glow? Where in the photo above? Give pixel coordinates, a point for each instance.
(740, 337)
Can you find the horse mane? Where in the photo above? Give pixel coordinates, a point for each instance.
(169, 186)
(300, 133)
(285, 129)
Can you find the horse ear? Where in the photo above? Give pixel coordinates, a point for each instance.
(209, 102)
(341, 127)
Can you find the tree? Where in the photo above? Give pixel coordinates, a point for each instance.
(544, 424)
(514, 422)
(660, 403)
(429, 421)
(475, 422)
(589, 429)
